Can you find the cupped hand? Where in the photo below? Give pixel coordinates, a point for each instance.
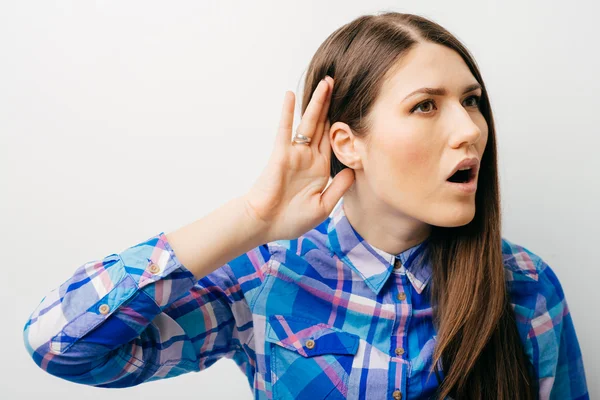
(288, 198)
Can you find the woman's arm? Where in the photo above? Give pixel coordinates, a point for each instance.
(142, 315)
(220, 236)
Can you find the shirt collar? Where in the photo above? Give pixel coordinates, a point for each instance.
(372, 264)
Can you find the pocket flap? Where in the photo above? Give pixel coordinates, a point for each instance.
(293, 333)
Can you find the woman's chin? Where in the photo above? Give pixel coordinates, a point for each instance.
(455, 216)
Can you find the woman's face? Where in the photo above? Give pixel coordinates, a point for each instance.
(416, 141)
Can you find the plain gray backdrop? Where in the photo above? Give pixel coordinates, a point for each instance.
(122, 119)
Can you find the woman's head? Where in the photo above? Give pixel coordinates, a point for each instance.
(402, 150)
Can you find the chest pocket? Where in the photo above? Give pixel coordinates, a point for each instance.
(309, 359)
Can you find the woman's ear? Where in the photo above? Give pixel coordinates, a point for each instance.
(345, 145)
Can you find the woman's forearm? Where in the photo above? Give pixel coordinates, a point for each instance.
(217, 238)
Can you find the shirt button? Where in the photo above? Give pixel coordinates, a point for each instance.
(401, 296)
(399, 351)
(397, 395)
(397, 264)
(154, 268)
(310, 343)
(104, 309)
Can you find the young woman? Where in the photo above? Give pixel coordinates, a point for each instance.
(402, 289)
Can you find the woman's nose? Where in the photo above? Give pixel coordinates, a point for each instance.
(464, 128)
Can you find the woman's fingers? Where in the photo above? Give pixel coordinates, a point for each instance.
(314, 118)
(309, 121)
(284, 135)
(324, 146)
(323, 115)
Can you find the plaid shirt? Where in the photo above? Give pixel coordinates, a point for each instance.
(324, 316)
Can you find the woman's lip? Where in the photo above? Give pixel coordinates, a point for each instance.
(472, 162)
(469, 187)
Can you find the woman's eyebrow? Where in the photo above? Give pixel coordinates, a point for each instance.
(442, 91)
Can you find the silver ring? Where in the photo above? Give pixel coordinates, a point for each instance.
(301, 139)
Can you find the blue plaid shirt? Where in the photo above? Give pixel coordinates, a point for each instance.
(324, 316)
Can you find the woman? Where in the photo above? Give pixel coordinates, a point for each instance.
(404, 290)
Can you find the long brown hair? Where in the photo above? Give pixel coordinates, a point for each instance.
(478, 344)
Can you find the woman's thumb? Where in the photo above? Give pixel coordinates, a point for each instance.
(336, 189)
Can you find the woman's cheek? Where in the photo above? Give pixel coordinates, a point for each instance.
(416, 156)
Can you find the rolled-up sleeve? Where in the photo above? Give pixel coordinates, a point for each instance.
(133, 317)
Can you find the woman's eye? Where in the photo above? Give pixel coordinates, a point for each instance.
(420, 106)
(478, 98)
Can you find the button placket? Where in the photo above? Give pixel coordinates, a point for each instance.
(402, 308)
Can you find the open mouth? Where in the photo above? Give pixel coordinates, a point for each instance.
(463, 176)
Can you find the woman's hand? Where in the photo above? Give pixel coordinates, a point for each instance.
(288, 197)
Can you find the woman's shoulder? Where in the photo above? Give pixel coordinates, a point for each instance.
(316, 238)
(250, 270)
(545, 323)
(520, 263)
(532, 283)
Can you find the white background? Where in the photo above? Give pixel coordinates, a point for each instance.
(122, 119)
